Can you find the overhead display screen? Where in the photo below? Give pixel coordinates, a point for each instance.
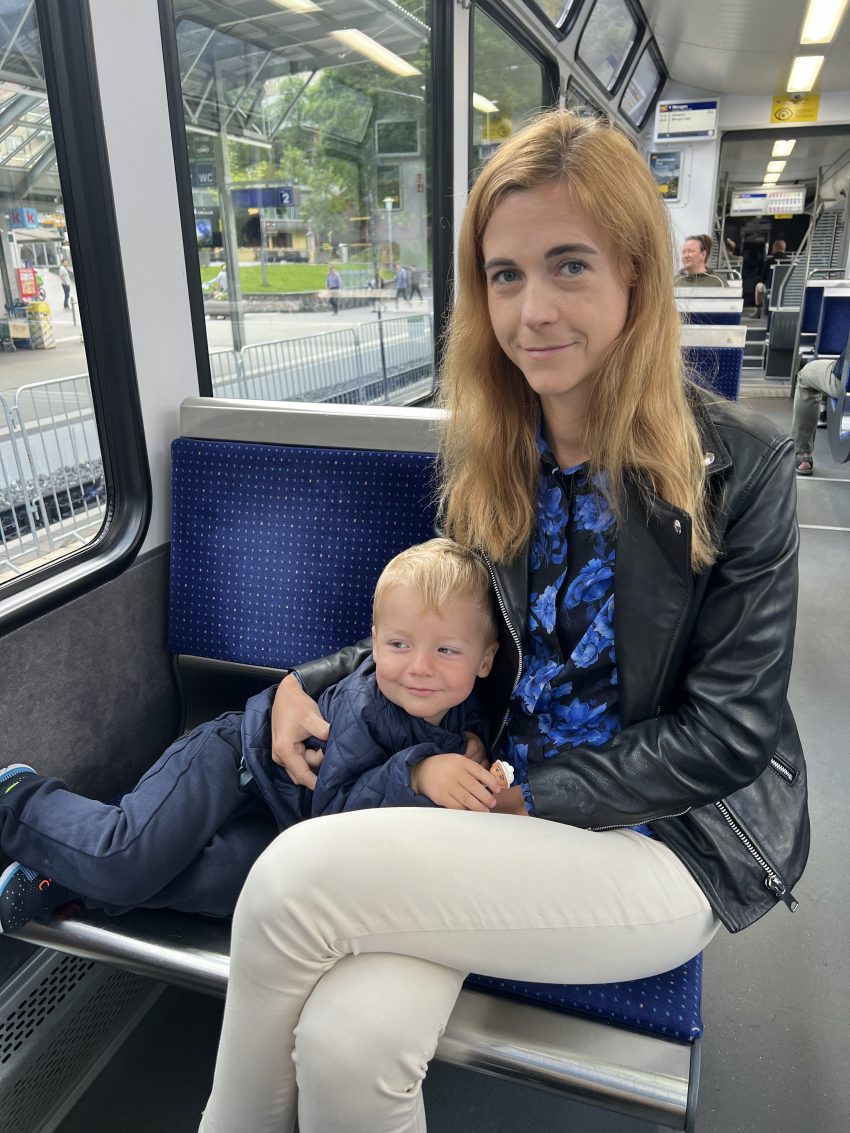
(757, 202)
(686, 121)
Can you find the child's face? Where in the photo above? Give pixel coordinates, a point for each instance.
(426, 662)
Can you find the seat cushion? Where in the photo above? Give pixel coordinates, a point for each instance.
(667, 1005)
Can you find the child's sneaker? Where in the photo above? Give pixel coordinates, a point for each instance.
(11, 776)
(28, 896)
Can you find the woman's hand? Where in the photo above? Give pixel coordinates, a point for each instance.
(296, 718)
(510, 801)
(455, 781)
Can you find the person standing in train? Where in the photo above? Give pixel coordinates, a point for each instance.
(642, 539)
(694, 273)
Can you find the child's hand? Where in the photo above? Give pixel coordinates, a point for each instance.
(456, 782)
(475, 749)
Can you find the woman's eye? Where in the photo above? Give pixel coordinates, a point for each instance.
(506, 275)
(573, 267)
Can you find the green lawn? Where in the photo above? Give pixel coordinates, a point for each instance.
(283, 278)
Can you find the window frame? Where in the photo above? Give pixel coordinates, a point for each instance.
(563, 27)
(441, 192)
(652, 47)
(551, 70)
(640, 21)
(79, 137)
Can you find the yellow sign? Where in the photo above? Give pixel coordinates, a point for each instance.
(496, 128)
(788, 108)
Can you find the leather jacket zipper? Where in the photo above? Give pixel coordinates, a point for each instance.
(640, 821)
(504, 611)
(772, 879)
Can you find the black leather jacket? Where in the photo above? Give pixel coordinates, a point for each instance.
(708, 753)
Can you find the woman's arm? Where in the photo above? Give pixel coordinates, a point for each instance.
(295, 716)
(723, 725)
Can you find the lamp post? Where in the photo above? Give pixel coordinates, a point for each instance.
(388, 205)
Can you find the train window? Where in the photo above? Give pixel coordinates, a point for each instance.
(561, 14)
(608, 41)
(582, 104)
(509, 85)
(52, 489)
(643, 87)
(309, 153)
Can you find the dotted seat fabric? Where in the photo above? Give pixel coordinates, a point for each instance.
(713, 318)
(667, 1005)
(834, 325)
(717, 368)
(275, 549)
(274, 556)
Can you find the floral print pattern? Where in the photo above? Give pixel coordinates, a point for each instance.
(567, 692)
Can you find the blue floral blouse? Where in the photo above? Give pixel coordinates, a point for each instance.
(567, 692)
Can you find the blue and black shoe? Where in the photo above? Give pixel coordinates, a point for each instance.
(26, 895)
(12, 775)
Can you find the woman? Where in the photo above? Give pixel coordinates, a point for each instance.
(586, 469)
(694, 273)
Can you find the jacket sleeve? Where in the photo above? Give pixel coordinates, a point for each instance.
(316, 676)
(720, 714)
(357, 772)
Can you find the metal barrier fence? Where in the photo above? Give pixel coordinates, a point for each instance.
(386, 362)
(52, 491)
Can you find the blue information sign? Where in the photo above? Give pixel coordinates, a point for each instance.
(284, 197)
(676, 121)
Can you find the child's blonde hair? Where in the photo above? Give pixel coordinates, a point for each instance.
(442, 571)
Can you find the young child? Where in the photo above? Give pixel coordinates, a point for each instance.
(403, 731)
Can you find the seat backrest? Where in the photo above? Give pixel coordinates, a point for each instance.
(276, 548)
(715, 356)
(834, 323)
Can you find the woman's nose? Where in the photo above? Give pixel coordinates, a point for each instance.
(537, 304)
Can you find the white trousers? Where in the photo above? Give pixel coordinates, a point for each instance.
(354, 932)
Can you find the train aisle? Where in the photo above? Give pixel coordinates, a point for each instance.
(777, 1038)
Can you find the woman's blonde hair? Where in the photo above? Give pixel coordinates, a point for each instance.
(638, 419)
(441, 571)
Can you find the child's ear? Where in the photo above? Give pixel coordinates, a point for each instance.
(487, 659)
(374, 639)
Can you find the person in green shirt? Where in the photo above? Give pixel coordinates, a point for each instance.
(695, 252)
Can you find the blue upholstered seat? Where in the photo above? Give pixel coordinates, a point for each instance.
(668, 1004)
(275, 553)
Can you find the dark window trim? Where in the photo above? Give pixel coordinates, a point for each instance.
(442, 165)
(640, 21)
(179, 144)
(563, 29)
(652, 47)
(576, 87)
(551, 71)
(79, 138)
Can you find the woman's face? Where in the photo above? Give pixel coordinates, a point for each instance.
(693, 257)
(556, 297)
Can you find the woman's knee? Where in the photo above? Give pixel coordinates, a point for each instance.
(370, 1028)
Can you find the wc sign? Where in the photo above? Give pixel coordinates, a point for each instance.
(203, 175)
(23, 217)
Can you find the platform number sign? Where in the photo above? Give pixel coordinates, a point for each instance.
(286, 196)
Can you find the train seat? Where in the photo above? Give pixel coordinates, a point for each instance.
(708, 305)
(715, 356)
(276, 545)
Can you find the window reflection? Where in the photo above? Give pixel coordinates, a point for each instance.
(52, 492)
(607, 41)
(508, 86)
(308, 133)
(643, 87)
